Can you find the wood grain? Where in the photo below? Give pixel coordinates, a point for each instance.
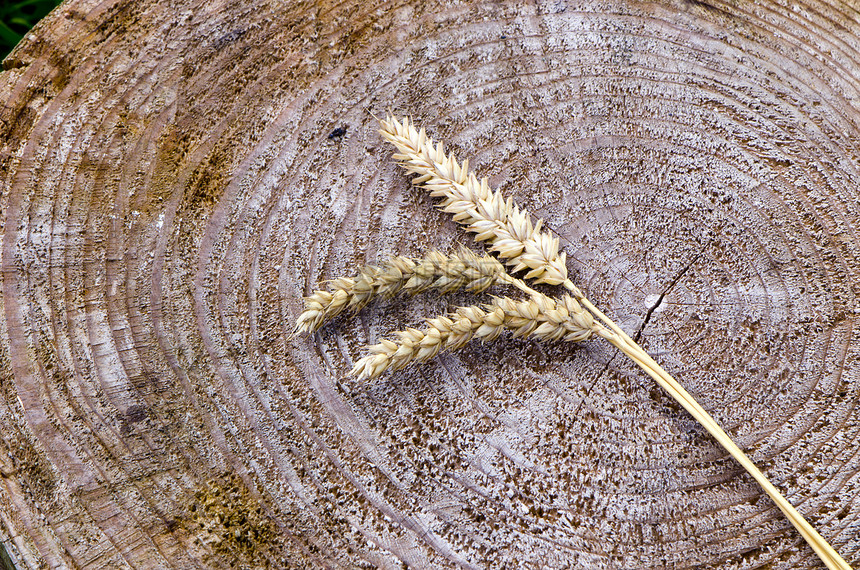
(176, 175)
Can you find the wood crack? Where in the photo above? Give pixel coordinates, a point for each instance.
(659, 301)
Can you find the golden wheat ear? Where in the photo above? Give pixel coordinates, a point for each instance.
(437, 271)
(539, 316)
(499, 221)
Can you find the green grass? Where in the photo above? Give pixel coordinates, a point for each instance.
(17, 17)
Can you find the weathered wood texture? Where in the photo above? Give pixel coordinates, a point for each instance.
(174, 180)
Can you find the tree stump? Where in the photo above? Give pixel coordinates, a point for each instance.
(177, 175)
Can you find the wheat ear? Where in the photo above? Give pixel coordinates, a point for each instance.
(540, 316)
(437, 271)
(510, 231)
(494, 219)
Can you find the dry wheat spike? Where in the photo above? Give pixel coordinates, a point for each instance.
(513, 236)
(539, 316)
(499, 221)
(437, 271)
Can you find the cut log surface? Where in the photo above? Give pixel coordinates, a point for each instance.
(177, 175)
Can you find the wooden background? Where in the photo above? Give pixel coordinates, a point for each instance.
(177, 174)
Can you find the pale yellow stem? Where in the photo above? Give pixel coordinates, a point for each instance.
(628, 346)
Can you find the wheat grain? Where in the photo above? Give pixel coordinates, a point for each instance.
(539, 316)
(499, 221)
(437, 271)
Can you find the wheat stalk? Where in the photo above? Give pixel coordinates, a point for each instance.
(539, 316)
(510, 231)
(437, 271)
(821, 547)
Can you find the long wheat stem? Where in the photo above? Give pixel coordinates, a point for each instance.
(638, 355)
(821, 547)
